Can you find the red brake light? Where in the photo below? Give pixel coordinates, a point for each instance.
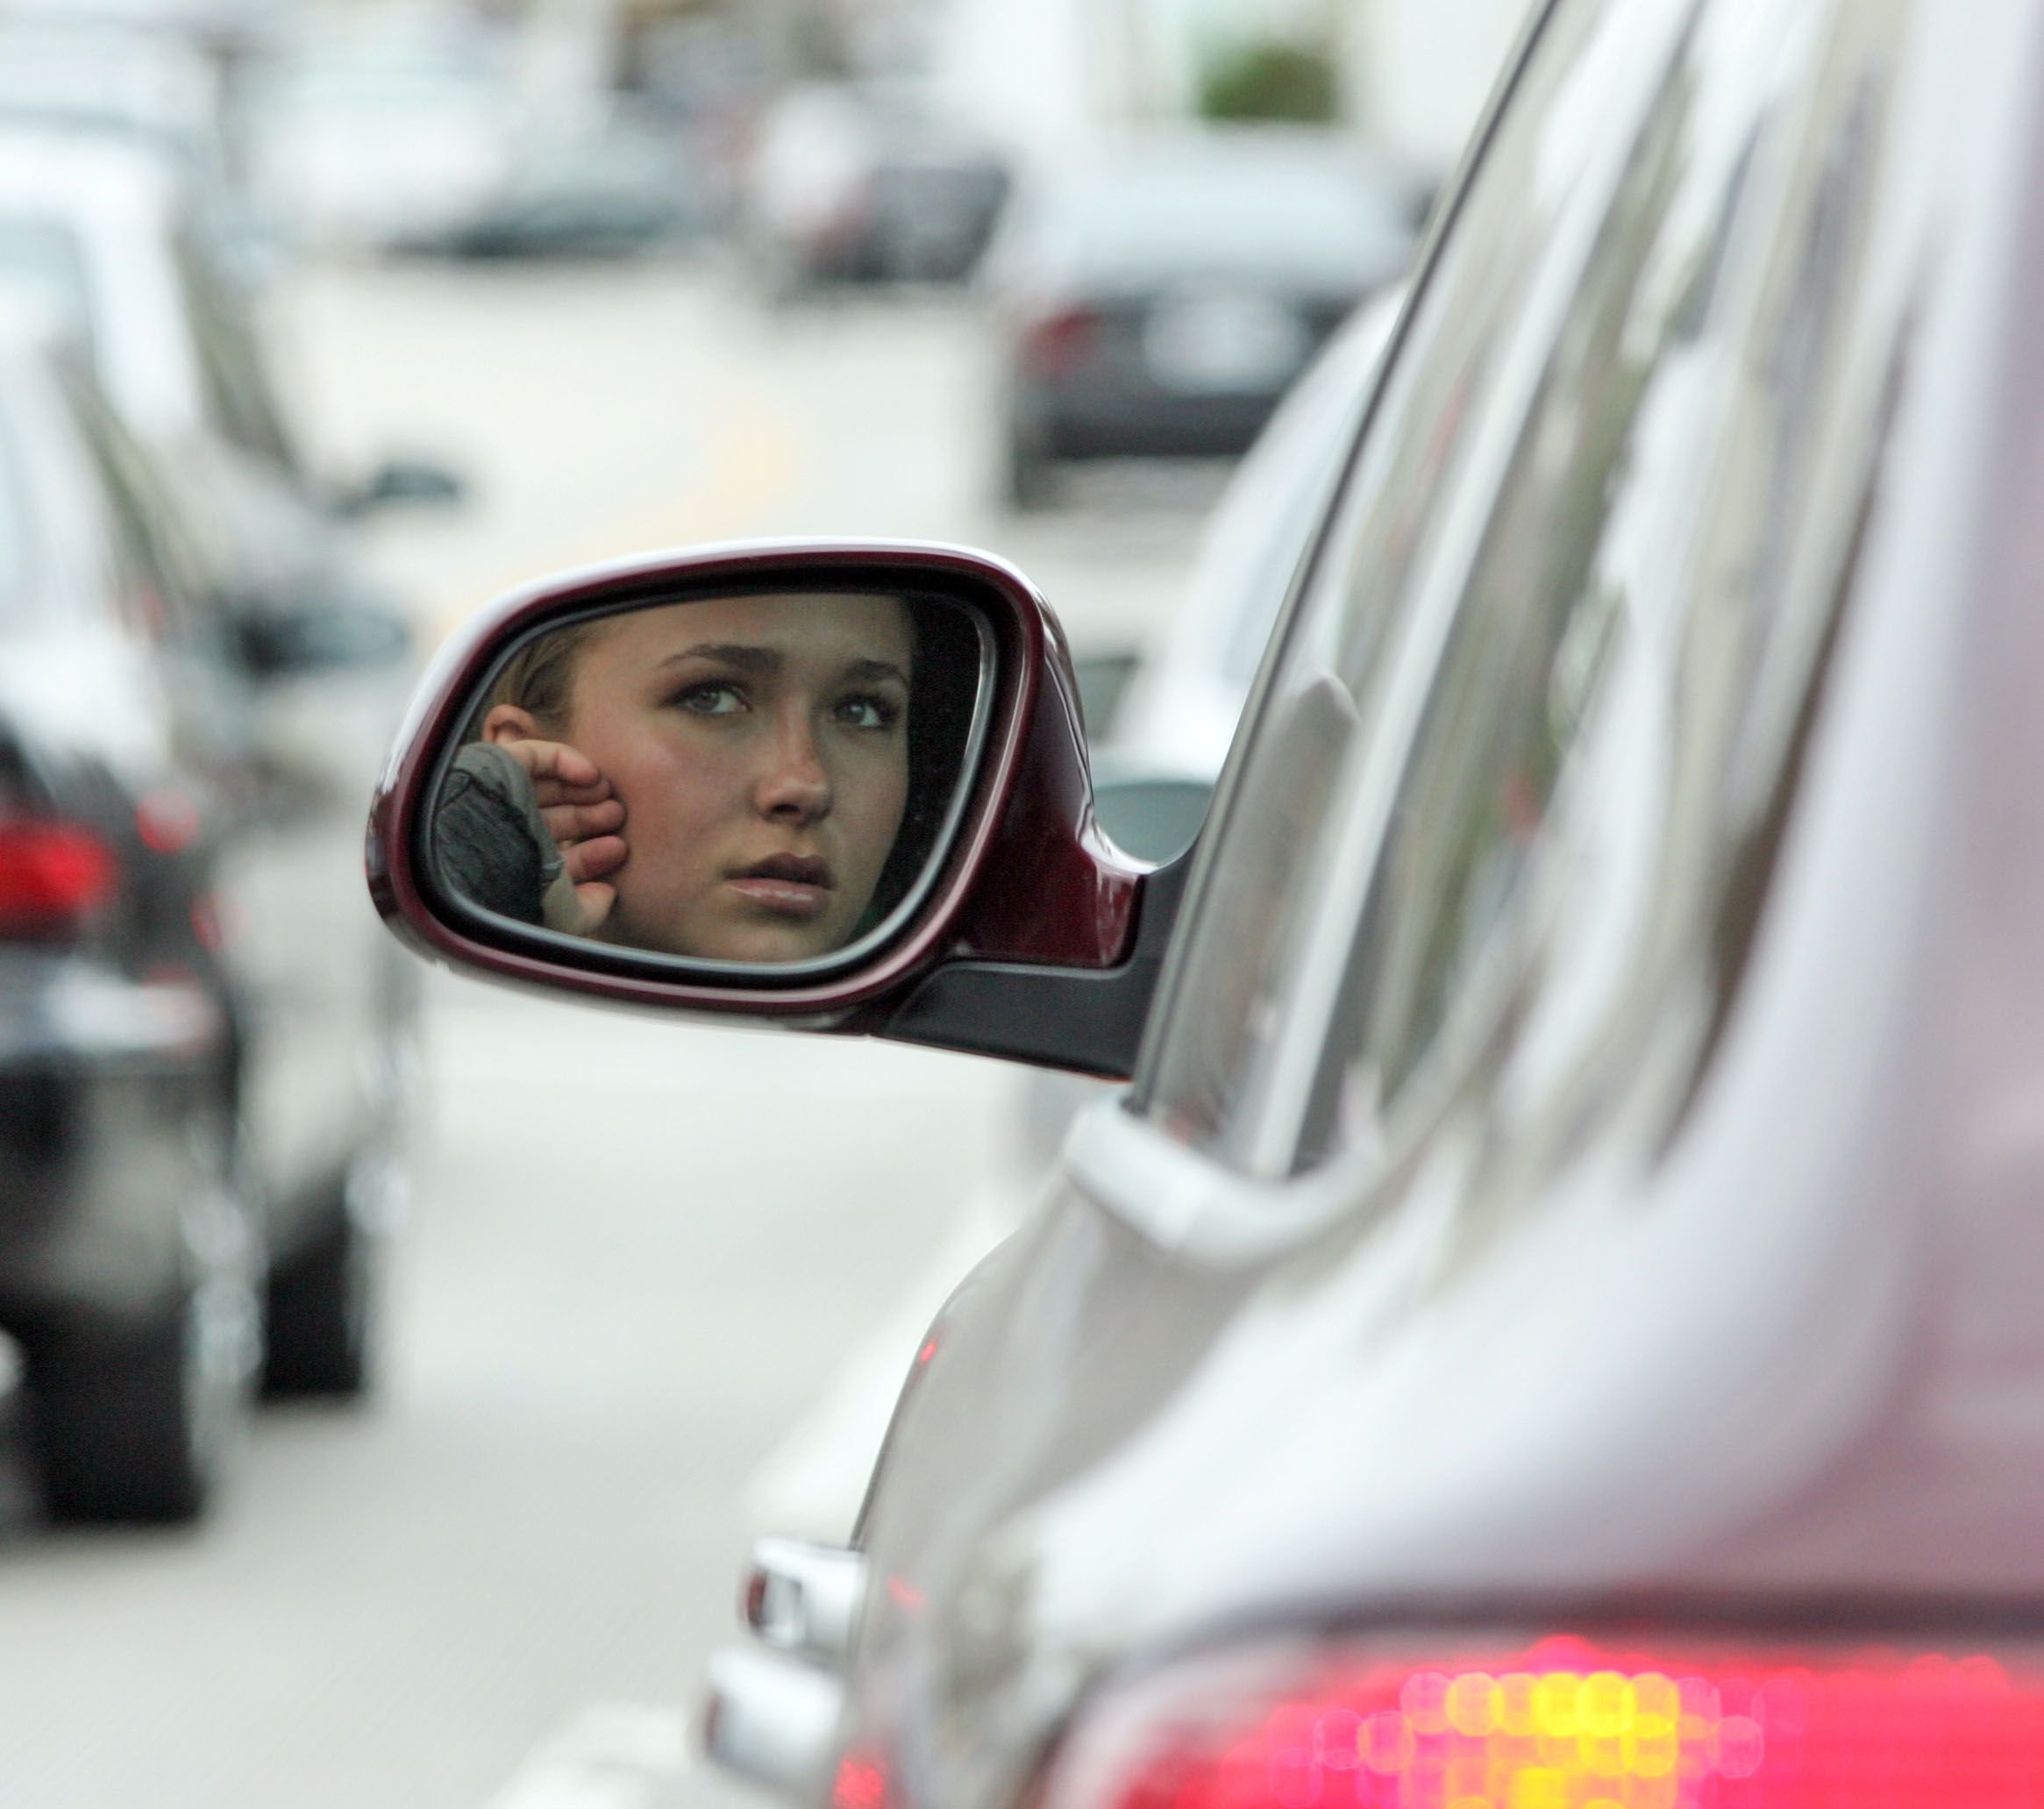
(52, 876)
(861, 1782)
(1055, 342)
(1569, 1725)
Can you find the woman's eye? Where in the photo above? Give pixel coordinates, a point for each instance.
(711, 700)
(864, 712)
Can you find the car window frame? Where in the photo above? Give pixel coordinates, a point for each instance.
(1208, 1195)
(1185, 1200)
(1369, 776)
(1173, 981)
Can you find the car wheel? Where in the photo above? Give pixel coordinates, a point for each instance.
(325, 1302)
(139, 1425)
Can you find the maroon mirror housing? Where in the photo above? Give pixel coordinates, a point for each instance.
(1030, 935)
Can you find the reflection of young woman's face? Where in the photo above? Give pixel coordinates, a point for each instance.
(760, 747)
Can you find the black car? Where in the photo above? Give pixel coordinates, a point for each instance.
(307, 667)
(130, 1240)
(1160, 300)
(203, 1053)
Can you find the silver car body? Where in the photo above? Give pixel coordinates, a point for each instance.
(1688, 1243)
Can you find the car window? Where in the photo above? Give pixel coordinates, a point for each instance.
(15, 556)
(45, 258)
(1306, 441)
(1251, 212)
(238, 397)
(164, 582)
(1544, 693)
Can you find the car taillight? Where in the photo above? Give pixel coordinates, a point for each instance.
(1053, 343)
(53, 876)
(1567, 1725)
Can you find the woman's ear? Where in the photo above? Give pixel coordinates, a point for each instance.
(507, 723)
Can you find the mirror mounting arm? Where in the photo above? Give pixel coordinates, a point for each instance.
(1089, 1021)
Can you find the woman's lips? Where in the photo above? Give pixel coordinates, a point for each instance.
(786, 885)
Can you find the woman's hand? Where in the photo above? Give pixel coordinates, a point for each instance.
(585, 820)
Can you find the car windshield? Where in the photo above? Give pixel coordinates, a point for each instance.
(1304, 218)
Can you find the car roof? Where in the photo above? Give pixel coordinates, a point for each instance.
(104, 75)
(223, 21)
(122, 204)
(1282, 203)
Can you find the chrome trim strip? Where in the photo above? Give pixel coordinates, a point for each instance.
(805, 1598)
(772, 1720)
(1189, 1206)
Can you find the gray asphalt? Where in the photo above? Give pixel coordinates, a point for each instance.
(640, 1251)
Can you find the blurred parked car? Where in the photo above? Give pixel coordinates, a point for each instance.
(130, 1248)
(1551, 1320)
(155, 826)
(1163, 299)
(599, 186)
(314, 663)
(866, 184)
(374, 139)
(151, 87)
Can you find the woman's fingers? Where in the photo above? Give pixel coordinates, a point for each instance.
(551, 791)
(576, 823)
(557, 765)
(596, 901)
(577, 910)
(594, 858)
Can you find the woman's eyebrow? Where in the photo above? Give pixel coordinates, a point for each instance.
(868, 669)
(732, 653)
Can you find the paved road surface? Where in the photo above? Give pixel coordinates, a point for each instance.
(640, 1251)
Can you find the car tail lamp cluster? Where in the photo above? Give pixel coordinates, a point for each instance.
(1055, 343)
(53, 877)
(1566, 1725)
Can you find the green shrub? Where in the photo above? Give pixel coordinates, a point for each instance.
(1270, 80)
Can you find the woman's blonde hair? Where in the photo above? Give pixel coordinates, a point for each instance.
(539, 675)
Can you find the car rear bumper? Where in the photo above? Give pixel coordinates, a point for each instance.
(1129, 420)
(109, 1121)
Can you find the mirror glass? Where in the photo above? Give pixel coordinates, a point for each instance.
(752, 781)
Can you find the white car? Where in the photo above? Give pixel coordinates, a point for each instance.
(381, 139)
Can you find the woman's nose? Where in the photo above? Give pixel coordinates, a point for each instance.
(794, 785)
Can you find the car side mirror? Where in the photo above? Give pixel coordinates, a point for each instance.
(841, 786)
